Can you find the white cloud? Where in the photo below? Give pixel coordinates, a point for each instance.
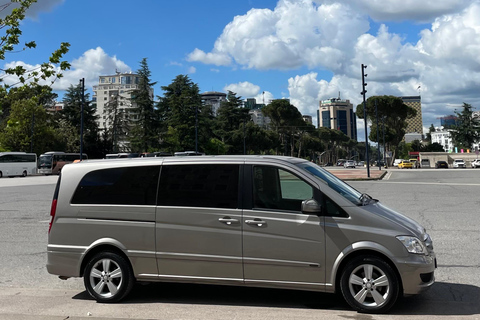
(218, 59)
(294, 34)
(192, 70)
(244, 89)
(90, 66)
(414, 10)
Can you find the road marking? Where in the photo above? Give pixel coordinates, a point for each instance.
(431, 183)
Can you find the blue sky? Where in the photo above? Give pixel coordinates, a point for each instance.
(299, 49)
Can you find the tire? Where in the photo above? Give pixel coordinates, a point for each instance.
(24, 174)
(1, 174)
(369, 285)
(108, 277)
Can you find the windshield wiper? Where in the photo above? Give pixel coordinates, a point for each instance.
(365, 199)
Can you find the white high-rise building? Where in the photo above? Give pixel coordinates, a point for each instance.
(115, 88)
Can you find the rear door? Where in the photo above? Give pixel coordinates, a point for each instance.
(198, 229)
(281, 245)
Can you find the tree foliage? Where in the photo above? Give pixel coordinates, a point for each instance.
(71, 114)
(10, 41)
(143, 135)
(467, 130)
(28, 128)
(392, 114)
(180, 108)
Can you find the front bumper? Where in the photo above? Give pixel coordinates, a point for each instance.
(417, 273)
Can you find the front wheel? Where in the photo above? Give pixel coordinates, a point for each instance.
(108, 277)
(24, 174)
(369, 284)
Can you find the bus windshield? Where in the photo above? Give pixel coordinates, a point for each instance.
(53, 162)
(45, 161)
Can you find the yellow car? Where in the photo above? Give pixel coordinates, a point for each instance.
(405, 164)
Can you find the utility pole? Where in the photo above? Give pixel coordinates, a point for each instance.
(378, 139)
(196, 129)
(82, 83)
(364, 84)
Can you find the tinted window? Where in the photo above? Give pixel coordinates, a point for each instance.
(208, 185)
(274, 188)
(127, 186)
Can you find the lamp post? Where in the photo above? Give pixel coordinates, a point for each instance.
(378, 140)
(196, 129)
(82, 83)
(365, 119)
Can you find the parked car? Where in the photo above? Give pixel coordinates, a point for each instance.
(349, 164)
(340, 162)
(396, 162)
(442, 164)
(459, 163)
(476, 163)
(405, 164)
(262, 221)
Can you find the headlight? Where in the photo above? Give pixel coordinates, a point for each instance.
(413, 245)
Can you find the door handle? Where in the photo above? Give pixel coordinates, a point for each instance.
(228, 220)
(256, 222)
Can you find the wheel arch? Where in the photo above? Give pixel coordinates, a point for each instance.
(98, 247)
(345, 257)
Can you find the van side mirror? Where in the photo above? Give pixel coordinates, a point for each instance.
(311, 206)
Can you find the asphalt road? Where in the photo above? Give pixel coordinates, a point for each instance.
(446, 202)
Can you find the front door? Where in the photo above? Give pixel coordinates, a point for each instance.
(198, 229)
(281, 245)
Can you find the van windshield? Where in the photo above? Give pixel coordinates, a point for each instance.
(333, 182)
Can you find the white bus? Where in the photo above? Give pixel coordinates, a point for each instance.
(17, 164)
(52, 162)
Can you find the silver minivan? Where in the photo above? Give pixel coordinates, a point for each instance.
(263, 221)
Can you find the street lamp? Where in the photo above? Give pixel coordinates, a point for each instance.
(364, 84)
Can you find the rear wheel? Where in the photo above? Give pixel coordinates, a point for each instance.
(369, 284)
(1, 174)
(24, 173)
(108, 277)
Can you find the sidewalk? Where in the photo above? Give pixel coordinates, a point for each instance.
(357, 174)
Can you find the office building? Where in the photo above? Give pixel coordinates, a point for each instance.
(415, 124)
(338, 114)
(214, 99)
(115, 89)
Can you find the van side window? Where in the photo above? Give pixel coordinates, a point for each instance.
(200, 185)
(274, 188)
(126, 186)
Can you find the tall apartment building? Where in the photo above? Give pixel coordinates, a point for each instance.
(115, 89)
(336, 113)
(214, 99)
(414, 125)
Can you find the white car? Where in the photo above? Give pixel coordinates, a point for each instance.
(459, 163)
(476, 163)
(349, 164)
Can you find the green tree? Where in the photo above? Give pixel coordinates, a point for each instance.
(429, 134)
(10, 41)
(287, 122)
(143, 134)
(71, 114)
(28, 128)
(392, 113)
(467, 130)
(178, 109)
(44, 95)
(117, 125)
(229, 122)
